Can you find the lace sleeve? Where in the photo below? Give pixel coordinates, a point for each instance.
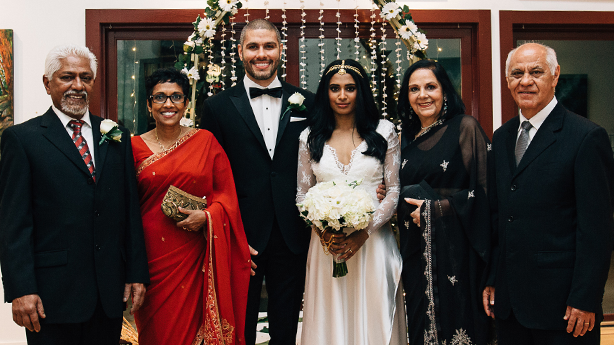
(388, 206)
(305, 178)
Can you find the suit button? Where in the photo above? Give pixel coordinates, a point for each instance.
(510, 219)
(513, 188)
(97, 247)
(273, 174)
(97, 214)
(90, 181)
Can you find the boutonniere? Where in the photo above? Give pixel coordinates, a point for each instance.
(295, 103)
(110, 131)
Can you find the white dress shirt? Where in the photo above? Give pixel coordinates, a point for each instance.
(537, 120)
(267, 111)
(86, 129)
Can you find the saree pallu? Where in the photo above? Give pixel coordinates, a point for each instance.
(199, 280)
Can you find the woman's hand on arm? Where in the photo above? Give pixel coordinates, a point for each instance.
(196, 220)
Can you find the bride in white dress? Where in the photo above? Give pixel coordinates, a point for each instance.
(348, 141)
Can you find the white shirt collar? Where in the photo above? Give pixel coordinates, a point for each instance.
(539, 118)
(250, 83)
(66, 119)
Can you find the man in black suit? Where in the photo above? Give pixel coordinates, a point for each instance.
(253, 123)
(553, 206)
(71, 241)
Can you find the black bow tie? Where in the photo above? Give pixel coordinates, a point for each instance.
(256, 92)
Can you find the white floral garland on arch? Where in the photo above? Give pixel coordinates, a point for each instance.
(223, 11)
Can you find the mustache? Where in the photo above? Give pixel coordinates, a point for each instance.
(76, 93)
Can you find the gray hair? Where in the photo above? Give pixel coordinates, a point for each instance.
(550, 57)
(53, 63)
(259, 24)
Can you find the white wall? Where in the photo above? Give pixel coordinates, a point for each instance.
(39, 25)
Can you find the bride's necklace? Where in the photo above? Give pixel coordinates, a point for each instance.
(158, 139)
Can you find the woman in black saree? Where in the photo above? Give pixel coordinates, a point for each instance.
(444, 211)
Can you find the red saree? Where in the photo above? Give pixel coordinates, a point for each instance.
(199, 280)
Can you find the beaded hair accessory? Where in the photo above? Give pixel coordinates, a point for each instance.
(342, 69)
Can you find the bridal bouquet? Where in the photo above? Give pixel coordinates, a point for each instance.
(333, 205)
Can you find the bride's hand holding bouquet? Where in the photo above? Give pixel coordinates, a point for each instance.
(331, 206)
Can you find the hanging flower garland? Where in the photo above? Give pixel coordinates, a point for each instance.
(200, 41)
(218, 11)
(401, 21)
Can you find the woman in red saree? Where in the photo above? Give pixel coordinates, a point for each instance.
(199, 267)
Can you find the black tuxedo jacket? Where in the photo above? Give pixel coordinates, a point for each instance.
(63, 236)
(266, 187)
(553, 218)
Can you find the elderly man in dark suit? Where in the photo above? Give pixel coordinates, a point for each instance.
(553, 209)
(71, 241)
(258, 126)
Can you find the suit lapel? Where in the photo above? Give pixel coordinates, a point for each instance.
(99, 150)
(240, 99)
(510, 143)
(283, 122)
(543, 138)
(58, 136)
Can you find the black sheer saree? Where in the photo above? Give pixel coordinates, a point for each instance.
(445, 260)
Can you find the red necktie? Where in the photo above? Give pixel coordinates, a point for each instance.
(81, 145)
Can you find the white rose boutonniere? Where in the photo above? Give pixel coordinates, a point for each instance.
(110, 131)
(295, 103)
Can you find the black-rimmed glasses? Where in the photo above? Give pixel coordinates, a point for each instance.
(161, 98)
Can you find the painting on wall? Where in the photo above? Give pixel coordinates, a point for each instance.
(6, 79)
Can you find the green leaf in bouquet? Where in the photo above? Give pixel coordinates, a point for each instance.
(405, 9)
(198, 50)
(178, 65)
(239, 5)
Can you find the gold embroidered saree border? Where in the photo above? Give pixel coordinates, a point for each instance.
(215, 330)
(157, 156)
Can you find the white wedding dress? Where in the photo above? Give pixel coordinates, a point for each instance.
(366, 306)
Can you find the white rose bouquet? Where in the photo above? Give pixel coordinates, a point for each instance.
(333, 205)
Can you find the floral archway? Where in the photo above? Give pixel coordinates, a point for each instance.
(199, 45)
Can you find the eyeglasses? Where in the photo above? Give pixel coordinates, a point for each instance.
(161, 98)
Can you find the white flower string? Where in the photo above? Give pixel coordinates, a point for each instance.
(356, 34)
(284, 42)
(373, 46)
(338, 38)
(246, 15)
(399, 77)
(233, 52)
(266, 10)
(209, 63)
(133, 94)
(223, 56)
(321, 37)
(302, 50)
(384, 73)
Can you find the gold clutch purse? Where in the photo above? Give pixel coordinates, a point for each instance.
(176, 198)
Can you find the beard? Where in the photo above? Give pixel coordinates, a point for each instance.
(72, 106)
(262, 75)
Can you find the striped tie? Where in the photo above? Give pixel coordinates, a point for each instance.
(81, 145)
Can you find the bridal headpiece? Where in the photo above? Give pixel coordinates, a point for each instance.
(341, 69)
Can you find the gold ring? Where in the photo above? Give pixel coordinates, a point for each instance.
(351, 250)
(184, 228)
(587, 323)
